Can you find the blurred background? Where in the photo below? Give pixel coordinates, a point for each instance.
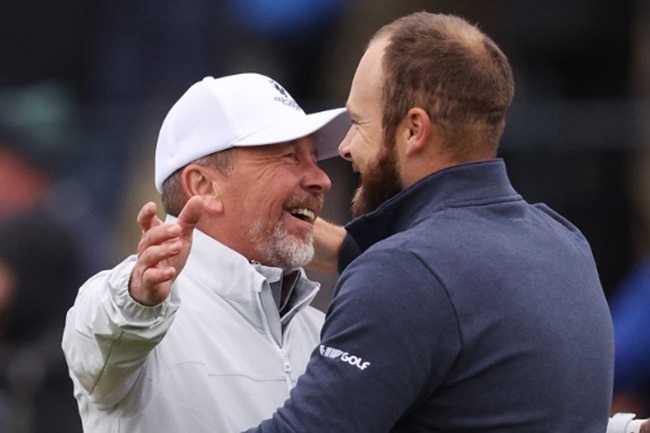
(84, 87)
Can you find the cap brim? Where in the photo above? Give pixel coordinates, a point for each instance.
(329, 127)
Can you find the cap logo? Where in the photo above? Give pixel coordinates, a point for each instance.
(284, 96)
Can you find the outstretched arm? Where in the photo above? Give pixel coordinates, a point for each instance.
(328, 239)
(120, 315)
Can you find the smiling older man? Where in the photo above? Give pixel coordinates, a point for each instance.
(208, 327)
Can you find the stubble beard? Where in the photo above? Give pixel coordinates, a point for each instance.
(379, 182)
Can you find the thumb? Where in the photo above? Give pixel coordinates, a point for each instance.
(191, 214)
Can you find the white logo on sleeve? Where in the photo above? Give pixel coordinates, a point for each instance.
(357, 361)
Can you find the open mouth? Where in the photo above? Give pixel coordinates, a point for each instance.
(303, 214)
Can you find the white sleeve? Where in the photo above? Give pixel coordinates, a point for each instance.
(624, 423)
(108, 335)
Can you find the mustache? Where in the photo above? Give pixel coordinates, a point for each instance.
(313, 202)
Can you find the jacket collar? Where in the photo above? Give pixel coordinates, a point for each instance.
(466, 184)
(245, 285)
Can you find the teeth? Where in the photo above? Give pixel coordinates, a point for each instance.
(304, 212)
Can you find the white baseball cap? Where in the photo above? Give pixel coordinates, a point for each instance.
(239, 110)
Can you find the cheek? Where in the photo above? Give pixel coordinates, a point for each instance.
(371, 141)
(265, 196)
(268, 202)
(365, 153)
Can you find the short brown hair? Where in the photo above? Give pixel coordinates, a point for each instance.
(449, 68)
(173, 196)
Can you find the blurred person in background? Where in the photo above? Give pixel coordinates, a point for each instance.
(630, 303)
(629, 307)
(208, 326)
(40, 260)
(38, 264)
(24, 178)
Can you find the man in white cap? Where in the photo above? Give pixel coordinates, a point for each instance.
(218, 346)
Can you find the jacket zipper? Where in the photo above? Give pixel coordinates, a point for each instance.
(285, 359)
(287, 368)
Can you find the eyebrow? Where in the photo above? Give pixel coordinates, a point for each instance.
(313, 150)
(351, 113)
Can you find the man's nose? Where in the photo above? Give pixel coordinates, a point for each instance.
(317, 180)
(344, 147)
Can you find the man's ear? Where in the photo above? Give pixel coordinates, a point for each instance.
(200, 180)
(415, 130)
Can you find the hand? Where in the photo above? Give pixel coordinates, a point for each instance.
(645, 427)
(162, 251)
(328, 239)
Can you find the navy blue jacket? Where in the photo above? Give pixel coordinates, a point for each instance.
(461, 308)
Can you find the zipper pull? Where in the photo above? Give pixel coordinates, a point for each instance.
(287, 364)
(287, 369)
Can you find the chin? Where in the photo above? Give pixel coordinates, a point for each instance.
(290, 251)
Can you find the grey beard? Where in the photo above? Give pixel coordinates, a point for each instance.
(282, 250)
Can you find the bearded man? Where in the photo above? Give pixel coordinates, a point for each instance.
(460, 306)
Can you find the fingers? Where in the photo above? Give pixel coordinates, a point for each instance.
(328, 239)
(187, 220)
(153, 254)
(645, 427)
(158, 235)
(162, 251)
(152, 278)
(147, 216)
(155, 269)
(152, 286)
(158, 257)
(161, 241)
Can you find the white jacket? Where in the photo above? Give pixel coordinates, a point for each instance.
(219, 361)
